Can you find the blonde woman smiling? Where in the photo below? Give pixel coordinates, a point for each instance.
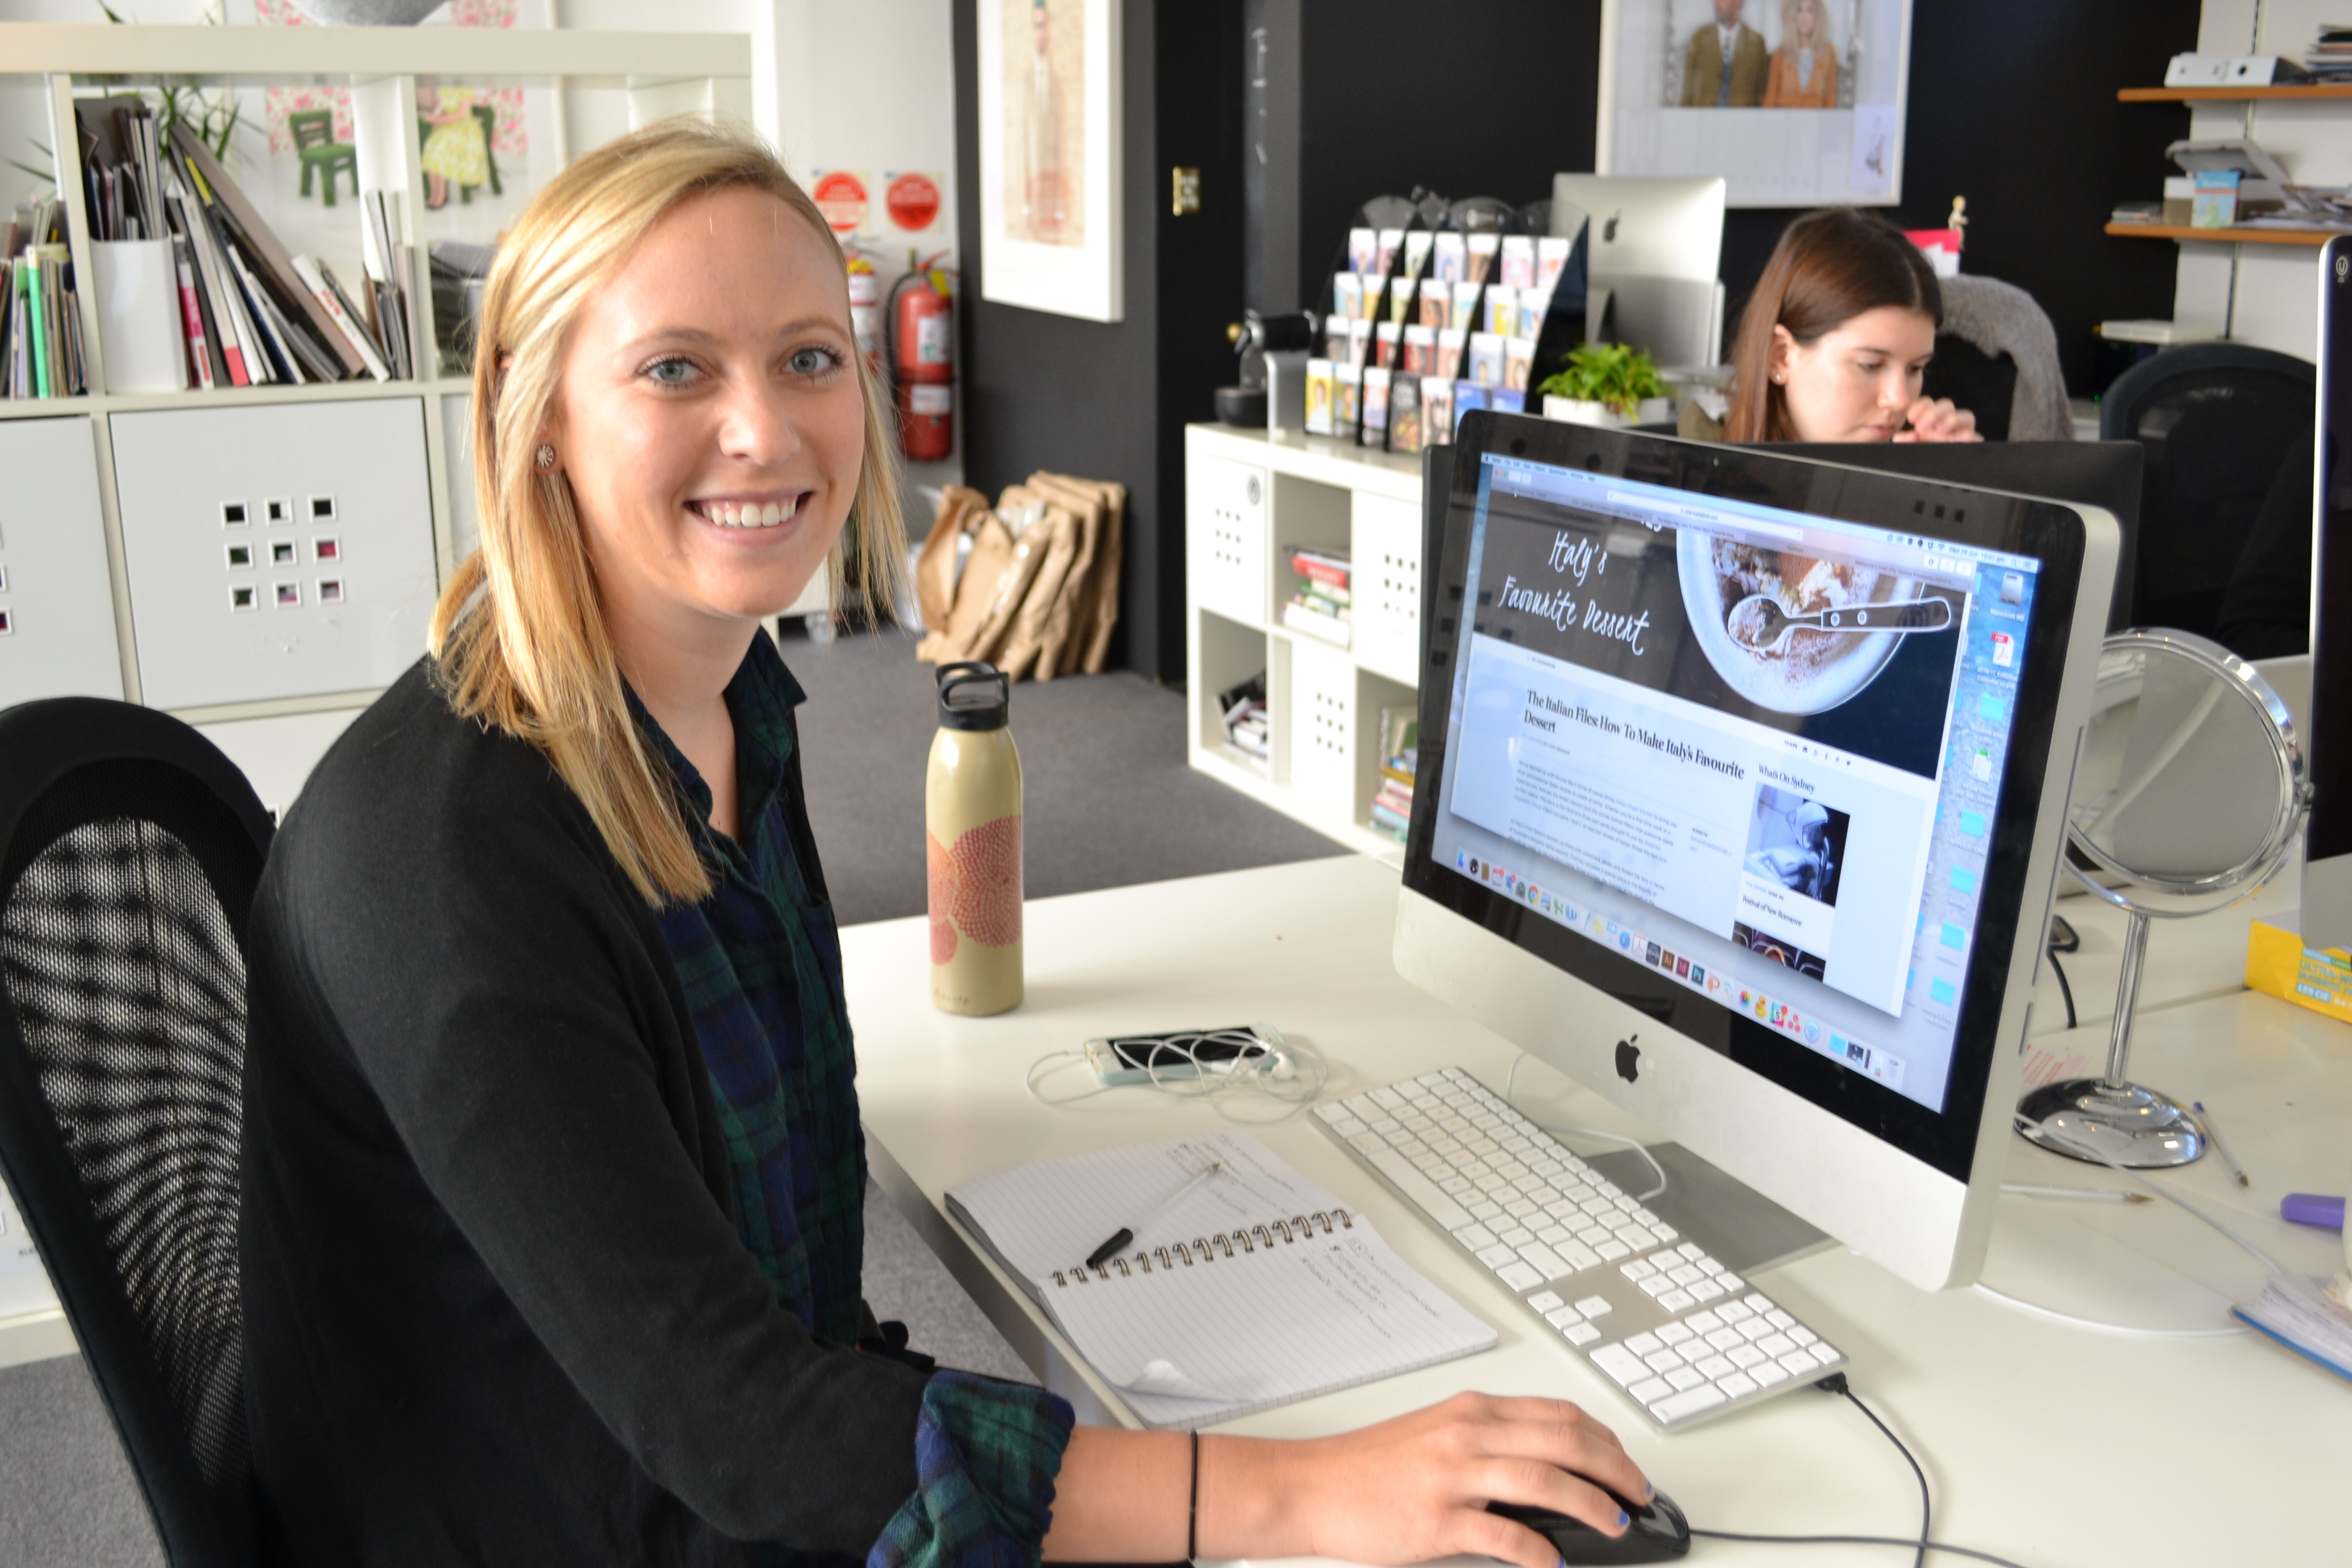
(553, 1174)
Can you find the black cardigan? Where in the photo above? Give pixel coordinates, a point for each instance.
(496, 1310)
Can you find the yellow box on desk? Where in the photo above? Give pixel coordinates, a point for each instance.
(2318, 978)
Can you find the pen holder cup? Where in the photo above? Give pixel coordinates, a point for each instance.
(139, 330)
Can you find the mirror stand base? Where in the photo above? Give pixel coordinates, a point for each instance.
(2130, 1126)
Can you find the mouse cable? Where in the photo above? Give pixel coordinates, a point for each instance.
(1835, 1383)
(2065, 990)
(1512, 1077)
(1856, 1541)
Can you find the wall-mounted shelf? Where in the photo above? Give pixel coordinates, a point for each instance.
(2311, 236)
(2232, 94)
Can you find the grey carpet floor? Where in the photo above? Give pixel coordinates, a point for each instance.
(1109, 802)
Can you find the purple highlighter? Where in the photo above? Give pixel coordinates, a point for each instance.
(2310, 1209)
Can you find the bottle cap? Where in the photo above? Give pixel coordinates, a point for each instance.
(973, 696)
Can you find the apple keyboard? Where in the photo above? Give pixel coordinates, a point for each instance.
(1684, 1337)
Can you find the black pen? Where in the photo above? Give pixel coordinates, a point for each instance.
(1109, 1249)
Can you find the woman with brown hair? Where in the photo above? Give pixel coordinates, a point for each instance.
(553, 1180)
(1833, 343)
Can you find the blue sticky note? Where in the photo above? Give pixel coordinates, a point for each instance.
(1993, 709)
(1963, 880)
(1941, 990)
(1910, 979)
(1923, 923)
(1953, 936)
(1972, 823)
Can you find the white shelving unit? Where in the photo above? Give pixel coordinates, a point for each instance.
(1252, 499)
(273, 685)
(659, 73)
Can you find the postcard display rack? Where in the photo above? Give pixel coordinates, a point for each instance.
(129, 521)
(1254, 503)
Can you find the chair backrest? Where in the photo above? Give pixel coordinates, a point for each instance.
(130, 850)
(2012, 340)
(311, 127)
(2215, 421)
(1984, 385)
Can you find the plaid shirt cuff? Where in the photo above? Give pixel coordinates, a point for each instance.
(986, 1453)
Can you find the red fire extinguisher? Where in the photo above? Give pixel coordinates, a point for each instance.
(922, 361)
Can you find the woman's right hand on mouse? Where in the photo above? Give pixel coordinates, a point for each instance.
(1417, 1487)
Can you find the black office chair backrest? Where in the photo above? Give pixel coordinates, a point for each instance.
(2215, 420)
(129, 849)
(1984, 385)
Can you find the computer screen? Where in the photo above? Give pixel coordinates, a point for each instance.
(1769, 751)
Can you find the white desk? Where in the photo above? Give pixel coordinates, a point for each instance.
(2187, 960)
(2226, 1452)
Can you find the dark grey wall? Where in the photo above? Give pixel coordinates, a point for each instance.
(2013, 106)
(1110, 400)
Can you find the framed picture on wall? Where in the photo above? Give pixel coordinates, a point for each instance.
(1794, 102)
(1049, 155)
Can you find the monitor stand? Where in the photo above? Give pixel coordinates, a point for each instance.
(1741, 1227)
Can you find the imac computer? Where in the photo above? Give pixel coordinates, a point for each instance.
(2327, 839)
(1655, 245)
(1742, 788)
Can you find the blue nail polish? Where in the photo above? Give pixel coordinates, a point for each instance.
(1623, 1519)
(1649, 1491)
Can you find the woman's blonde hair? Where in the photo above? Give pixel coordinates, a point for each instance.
(519, 636)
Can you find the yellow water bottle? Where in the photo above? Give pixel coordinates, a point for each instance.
(971, 806)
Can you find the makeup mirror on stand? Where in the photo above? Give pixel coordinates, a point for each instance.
(2190, 793)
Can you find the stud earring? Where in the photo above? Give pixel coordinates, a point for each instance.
(546, 457)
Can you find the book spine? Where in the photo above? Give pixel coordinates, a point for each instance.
(1209, 1249)
(210, 266)
(192, 317)
(314, 278)
(1335, 572)
(34, 286)
(271, 330)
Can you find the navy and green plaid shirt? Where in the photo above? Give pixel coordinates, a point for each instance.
(760, 961)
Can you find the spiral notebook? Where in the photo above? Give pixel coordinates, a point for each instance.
(1259, 1289)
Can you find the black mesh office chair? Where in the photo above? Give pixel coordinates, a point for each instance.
(130, 848)
(2216, 420)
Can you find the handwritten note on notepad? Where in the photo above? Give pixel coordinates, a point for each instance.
(1260, 1288)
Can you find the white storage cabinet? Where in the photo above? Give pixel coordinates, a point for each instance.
(1252, 500)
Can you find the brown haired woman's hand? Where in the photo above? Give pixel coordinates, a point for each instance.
(1936, 419)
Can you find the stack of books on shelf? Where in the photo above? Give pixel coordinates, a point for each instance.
(1244, 708)
(40, 319)
(1426, 326)
(2330, 57)
(1322, 605)
(1400, 753)
(251, 312)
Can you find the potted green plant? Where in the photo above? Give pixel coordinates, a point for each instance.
(1607, 385)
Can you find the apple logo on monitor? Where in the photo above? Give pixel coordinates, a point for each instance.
(1629, 1060)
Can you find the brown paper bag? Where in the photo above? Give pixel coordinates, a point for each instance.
(961, 510)
(1100, 609)
(1020, 518)
(1065, 639)
(994, 557)
(1057, 536)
